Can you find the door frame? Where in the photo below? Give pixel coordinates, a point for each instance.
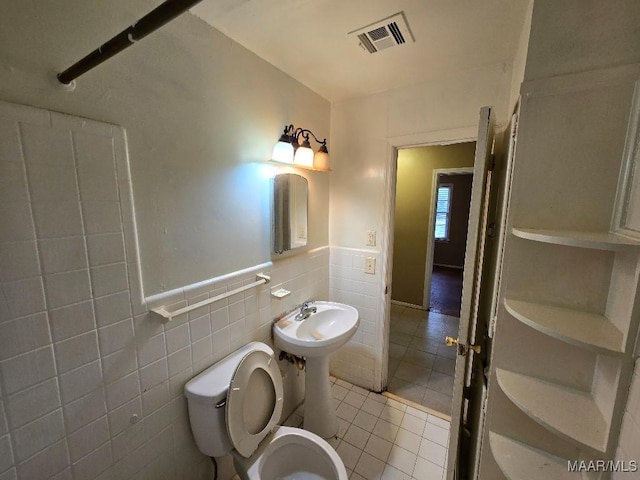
(424, 139)
(431, 242)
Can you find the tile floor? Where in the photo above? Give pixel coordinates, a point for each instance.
(421, 366)
(382, 439)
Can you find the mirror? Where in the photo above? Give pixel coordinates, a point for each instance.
(289, 212)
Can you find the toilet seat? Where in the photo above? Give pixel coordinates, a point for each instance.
(256, 378)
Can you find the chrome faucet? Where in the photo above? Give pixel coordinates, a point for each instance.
(305, 310)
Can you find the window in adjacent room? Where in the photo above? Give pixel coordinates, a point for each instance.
(443, 211)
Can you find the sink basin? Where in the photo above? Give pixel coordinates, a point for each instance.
(315, 338)
(321, 333)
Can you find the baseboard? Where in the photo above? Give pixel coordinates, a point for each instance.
(405, 304)
(457, 267)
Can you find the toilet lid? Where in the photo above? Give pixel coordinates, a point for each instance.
(254, 401)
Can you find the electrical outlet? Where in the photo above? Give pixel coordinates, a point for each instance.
(371, 238)
(370, 265)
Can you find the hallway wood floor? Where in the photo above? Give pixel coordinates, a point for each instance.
(446, 290)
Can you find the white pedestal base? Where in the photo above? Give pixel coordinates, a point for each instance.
(319, 413)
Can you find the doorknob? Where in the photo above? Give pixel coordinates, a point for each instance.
(462, 348)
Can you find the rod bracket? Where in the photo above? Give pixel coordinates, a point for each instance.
(67, 87)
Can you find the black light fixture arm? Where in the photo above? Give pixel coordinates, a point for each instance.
(152, 21)
(288, 132)
(305, 134)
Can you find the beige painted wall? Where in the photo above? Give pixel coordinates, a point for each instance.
(201, 112)
(413, 202)
(582, 35)
(363, 128)
(520, 59)
(364, 131)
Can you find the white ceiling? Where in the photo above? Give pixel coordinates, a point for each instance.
(308, 39)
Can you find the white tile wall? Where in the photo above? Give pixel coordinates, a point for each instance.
(629, 443)
(356, 362)
(91, 382)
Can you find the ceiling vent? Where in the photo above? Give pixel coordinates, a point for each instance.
(386, 33)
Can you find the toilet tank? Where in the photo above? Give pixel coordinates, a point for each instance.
(206, 395)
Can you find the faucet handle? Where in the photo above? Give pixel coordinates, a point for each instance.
(307, 303)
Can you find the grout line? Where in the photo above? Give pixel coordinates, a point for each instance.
(387, 399)
(56, 375)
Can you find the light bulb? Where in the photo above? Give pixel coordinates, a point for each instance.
(303, 157)
(282, 152)
(321, 160)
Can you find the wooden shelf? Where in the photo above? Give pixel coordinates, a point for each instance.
(581, 239)
(583, 329)
(519, 461)
(569, 413)
(297, 165)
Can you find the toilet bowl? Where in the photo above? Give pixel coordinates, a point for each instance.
(234, 407)
(293, 453)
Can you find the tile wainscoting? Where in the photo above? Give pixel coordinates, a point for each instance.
(91, 381)
(358, 360)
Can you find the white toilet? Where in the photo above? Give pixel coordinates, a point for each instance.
(234, 407)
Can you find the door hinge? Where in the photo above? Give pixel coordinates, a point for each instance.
(466, 392)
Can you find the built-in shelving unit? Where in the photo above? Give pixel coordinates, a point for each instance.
(562, 351)
(583, 329)
(582, 418)
(560, 409)
(587, 419)
(519, 461)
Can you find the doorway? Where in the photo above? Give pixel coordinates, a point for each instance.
(420, 366)
(452, 194)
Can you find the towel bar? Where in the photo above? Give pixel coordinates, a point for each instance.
(164, 313)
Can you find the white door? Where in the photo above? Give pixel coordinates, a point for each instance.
(469, 390)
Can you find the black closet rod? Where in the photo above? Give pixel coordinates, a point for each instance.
(153, 20)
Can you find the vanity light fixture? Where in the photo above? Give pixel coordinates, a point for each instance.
(289, 150)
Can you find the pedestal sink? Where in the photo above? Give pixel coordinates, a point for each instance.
(315, 338)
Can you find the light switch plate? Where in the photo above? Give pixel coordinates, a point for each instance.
(371, 238)
(370, 265)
